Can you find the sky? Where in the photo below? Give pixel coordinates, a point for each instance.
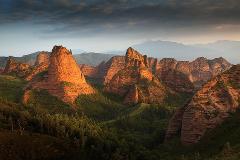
(103, 25)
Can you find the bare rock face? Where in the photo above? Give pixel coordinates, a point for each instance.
(42, 58)
(134, 58)
(184, 76)
(88, 70)
(63, 78)
(63, 67)
(135, 82)
(41, 65)
(14, 67)
(209, 107)
(106, 71)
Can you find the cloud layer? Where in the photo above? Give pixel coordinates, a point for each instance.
(114, 16)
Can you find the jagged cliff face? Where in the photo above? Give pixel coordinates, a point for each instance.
(179, 76)
(107, 70)
(14, 67)
(135, 81)
(63, 78)
(88, 70)
(208, 108)
(187, 76)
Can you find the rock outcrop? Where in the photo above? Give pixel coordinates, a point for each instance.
(135, 81)
(187, 76)
(107, 70)
(42, 58)
(88, 70)
(208, 108)
(17, 68)
(63, 78)
(41, 65)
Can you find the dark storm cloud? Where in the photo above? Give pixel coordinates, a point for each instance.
(96, 16)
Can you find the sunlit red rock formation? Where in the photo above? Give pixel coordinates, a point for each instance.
(208, 108)
(17, 68)
(136, 82)
(41, 64)
(63, 78)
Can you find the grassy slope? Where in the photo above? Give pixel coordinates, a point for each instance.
(11, 88)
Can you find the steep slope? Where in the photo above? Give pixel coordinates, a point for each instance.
(208, 108)
(63, 79)
(136, 82)
(106, 71)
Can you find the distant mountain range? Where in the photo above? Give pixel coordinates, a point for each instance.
(92, 58)
(161, 49)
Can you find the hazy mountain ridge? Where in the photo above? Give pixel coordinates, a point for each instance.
(92, 58)
(160, 49)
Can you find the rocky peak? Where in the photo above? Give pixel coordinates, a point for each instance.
(201, 59)
(135, 80)
(134, 58)
(64, 78)
(63, 67)
(42, 58)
